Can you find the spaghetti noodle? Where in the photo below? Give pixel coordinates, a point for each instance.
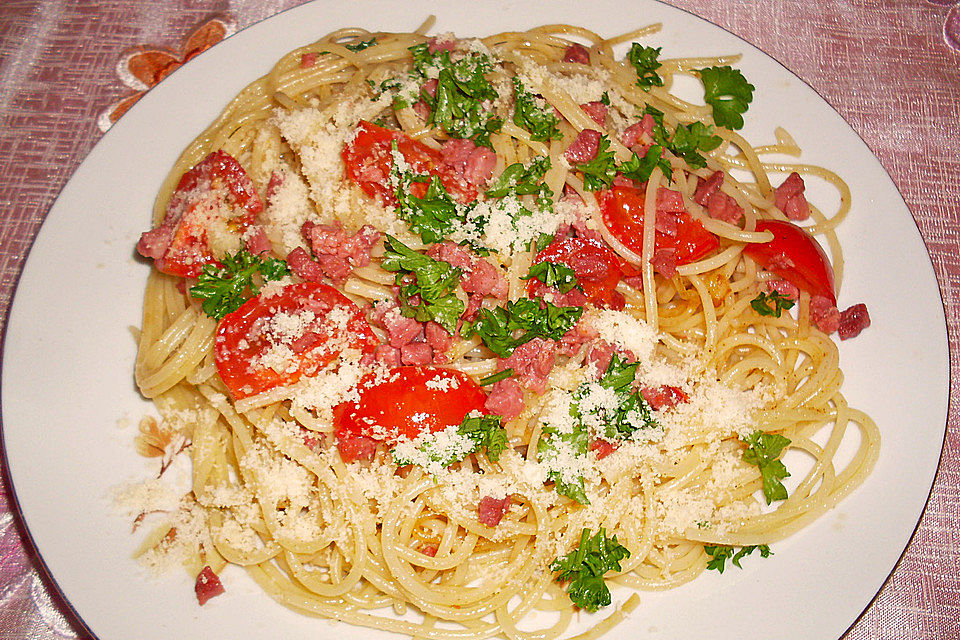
(487, 197)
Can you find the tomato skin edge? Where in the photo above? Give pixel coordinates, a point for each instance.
(810, 271)
(403, 406)
(233, 361)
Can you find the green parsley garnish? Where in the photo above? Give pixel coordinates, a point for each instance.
(719, 554)
(462, 88)
(585, 567)
(432, 280)
(480, 433)
(540, 122)
(553, 274)
(763, 450)
(360, 46)
(225, 287)
(524, 318)
(496, 377)
(729, 93)
(639, 169)
(633, 413)
(599, 173)
(771, 304)
(486, 433)
(644, 60)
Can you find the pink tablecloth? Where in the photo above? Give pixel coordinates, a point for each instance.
(886, 65)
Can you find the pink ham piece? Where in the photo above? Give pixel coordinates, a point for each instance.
(479, 276)
(401, 330)
(634, 134)
(852, 321)
(603, 448)
(664, 396)
(824, 315)
(416, 353)
(576, 53)
(354, 448)
(584, 148)
(596, 110)
(719, 205)
(664, 262)
(333, 240)
(304, 266)
(437, 337)
(491, 510)
(441, 44)
(789, 198)
(532, 362)
(505, 399)
(307, 60)
(474, 163)
(784, 288)
(256, 240)
(208, 585)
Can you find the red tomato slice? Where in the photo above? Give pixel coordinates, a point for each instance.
(796, 257)
(295, 330)
(597, 267)
(411, 401)
(622, 210)
(368, 159)
(217, 187)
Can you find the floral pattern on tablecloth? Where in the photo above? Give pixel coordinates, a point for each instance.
(142, 67)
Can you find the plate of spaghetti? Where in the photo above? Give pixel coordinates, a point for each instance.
(488, 328)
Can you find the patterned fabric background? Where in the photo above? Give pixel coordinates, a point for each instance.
(890, 67)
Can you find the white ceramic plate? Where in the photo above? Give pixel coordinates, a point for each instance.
(69, 355)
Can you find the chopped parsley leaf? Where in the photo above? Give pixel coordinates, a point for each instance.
(432, 280)
(644, 60)
(553, 274)
(599, 173)
(224, 288)
(486, 433)
(539, 121)
(763, 450)
(585, 567)
(462, 88)
(719, 554)
(360, 46)
(771, 304)
(496, 377)
(728, 93)
(524, 317)
(639, 169)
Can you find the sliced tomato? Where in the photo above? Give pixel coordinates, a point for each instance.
(796, 257)
(622, 210)
(216, 191)
(597, 267)
(408, 402)
(273, 341)
(369, 159)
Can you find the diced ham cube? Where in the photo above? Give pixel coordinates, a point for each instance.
(824, 315)
(256, 240)
(577, 53)
(584, 148)
(633, 134)
(664, 262)
(505, 399)
(789, 198)
(307, 60)
(354, 448)
(416, 353)
(784, 288)
(441, 44)
(602, 448)
(596, 110)
(532, 362)
(491, 510)
(852, 321)
(473, 162)
(208, 585)
(664, 396)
